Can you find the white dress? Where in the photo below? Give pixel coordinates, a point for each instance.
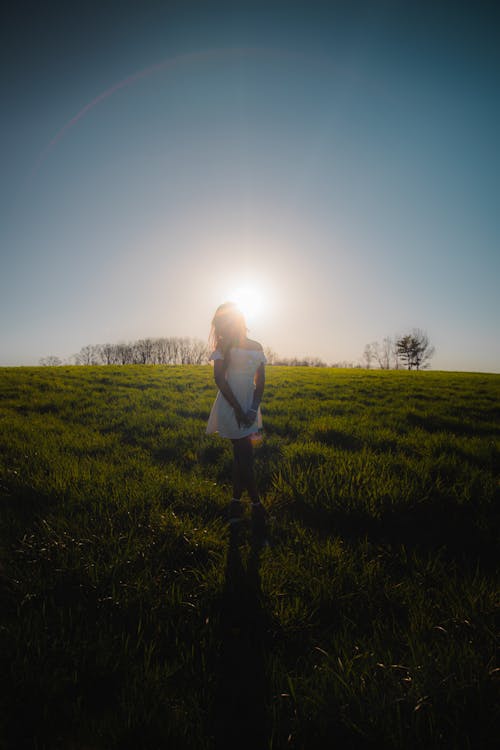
(240, 373)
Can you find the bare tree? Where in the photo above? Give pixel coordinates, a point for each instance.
(50, 361)
(155, 352)
(108, 353)
(171, 350)
(143, 349)
(368, 356)
(184, 351)
(89, 355)
(270, 355)
(383, 352)
(387, 352)
(124, 353)
(162, 351)
(199, 352)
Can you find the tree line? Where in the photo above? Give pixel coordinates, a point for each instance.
(275, 359)
(162, 351)
(412, 350)
(149, 351)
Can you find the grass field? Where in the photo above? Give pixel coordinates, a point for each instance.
(129, 621)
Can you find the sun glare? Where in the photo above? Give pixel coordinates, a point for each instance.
(250, 300)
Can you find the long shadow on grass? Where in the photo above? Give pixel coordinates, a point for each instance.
(240, 713)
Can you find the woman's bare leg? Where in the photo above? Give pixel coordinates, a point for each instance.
(243, 477)
(238, 485)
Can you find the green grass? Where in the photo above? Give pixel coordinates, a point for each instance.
(128, 621)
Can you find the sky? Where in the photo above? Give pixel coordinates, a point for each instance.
(338, 160)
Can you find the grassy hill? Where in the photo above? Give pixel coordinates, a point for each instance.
(129, 621)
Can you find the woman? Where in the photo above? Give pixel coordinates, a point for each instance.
(240, 377)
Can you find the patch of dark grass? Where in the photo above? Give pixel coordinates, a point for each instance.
(453, 425)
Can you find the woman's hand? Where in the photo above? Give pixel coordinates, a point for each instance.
(251, 416)
(242, 418)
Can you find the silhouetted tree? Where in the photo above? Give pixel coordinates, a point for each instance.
(108, 354)
(414, 349)
(124, 354)
(89, 355)
(142, 351)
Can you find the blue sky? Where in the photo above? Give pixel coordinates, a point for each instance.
(341, 158)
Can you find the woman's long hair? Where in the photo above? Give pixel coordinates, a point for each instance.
(228, 328)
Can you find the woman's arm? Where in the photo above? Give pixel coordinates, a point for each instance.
(225, 389)
(260, 381)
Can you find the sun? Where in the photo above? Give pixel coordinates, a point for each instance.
(250, 301)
